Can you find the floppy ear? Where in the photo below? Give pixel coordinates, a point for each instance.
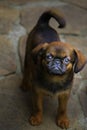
(38, 51)
(80, 61)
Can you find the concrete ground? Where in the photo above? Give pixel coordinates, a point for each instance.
(15, 104)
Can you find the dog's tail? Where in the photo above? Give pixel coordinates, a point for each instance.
(45, 17)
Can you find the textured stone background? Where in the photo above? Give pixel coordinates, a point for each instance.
(17, 18)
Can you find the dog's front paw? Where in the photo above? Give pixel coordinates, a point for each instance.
(35, 120)
(63, 122)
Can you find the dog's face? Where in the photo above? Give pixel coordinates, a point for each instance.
(59, 58)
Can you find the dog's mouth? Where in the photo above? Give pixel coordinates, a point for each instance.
(56, 69)
(56, 72)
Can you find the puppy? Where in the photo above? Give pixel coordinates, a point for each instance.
(49, 67)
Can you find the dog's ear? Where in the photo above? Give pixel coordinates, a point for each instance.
(38, 51)
(80, 61)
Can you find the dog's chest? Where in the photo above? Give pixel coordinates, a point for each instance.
(52, 87)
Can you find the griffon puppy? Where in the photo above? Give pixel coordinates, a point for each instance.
(49, 67)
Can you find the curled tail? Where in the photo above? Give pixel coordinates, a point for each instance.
(45, 17)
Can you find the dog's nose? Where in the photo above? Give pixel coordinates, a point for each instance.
(57, 62)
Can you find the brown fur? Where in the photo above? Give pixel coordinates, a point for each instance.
(43, 40)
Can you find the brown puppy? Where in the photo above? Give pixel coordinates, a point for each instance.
(49, 67)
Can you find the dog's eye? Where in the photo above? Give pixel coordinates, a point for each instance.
(49, 57)
(66, 60)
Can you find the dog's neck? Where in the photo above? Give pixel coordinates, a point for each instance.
(53, 83)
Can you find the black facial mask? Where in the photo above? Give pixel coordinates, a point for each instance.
(56, 67)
